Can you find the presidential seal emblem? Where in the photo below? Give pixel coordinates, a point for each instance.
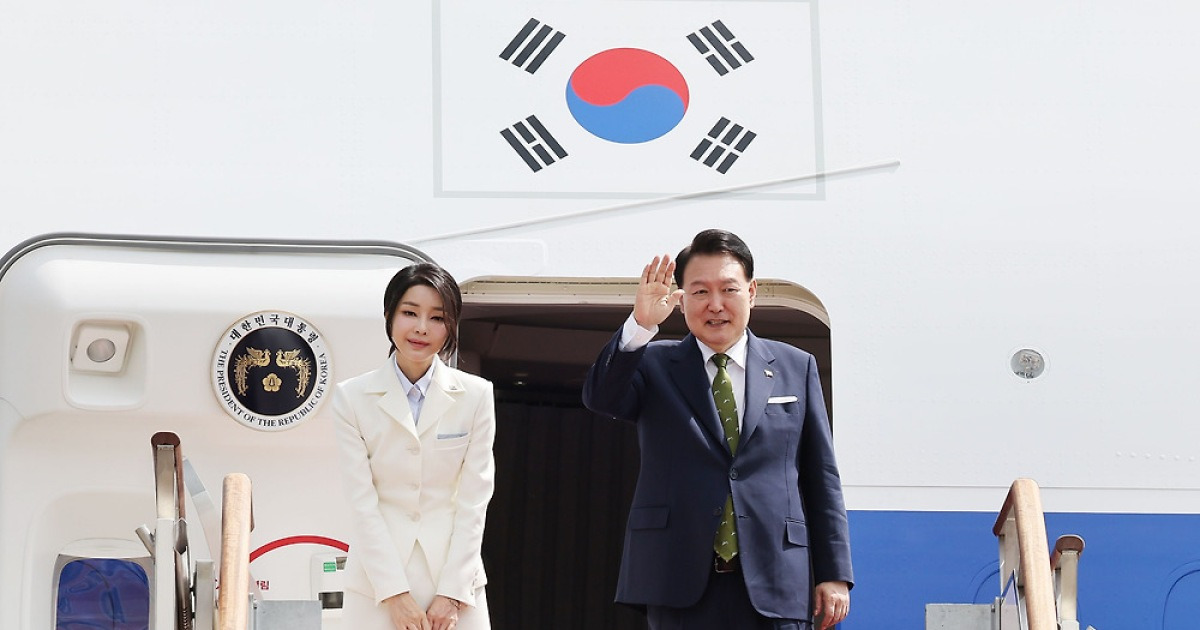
(270, 370)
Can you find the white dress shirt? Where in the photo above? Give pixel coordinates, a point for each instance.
(414, 391)
(633, 337)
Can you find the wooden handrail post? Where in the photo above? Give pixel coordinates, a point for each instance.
(233, 605)
(1022, 516)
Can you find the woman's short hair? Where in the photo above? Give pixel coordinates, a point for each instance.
(436, 278)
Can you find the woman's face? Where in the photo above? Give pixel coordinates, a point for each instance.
(418, 330)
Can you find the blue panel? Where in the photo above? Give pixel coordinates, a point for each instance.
(102, 593)
(1183, 602)
(904, 560)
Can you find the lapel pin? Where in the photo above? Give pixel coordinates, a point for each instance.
(769, 373)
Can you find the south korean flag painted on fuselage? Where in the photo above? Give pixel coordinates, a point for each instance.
(624, 99)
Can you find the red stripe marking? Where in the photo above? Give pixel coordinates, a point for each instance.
(298, 540)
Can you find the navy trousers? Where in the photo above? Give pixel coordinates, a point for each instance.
(725, 605)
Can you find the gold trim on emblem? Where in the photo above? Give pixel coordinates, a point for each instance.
(290, 359)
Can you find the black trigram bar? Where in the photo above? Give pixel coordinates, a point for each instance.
(533, 142)
(724, 144)
(534, 37)
(720, 48)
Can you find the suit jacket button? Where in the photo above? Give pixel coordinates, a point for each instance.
(718, 511)
(733, 473)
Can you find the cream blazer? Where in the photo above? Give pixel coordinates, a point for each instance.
(410, 483)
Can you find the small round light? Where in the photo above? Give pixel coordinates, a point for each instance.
(1028, 364)
(101, 350)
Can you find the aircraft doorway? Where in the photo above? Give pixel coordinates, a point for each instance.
(565, 475)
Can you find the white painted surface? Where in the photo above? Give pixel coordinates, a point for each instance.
(1045, 199)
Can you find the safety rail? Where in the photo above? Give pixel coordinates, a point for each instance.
(237, 519)
(168, 544)
(1025, 554)
(174, 582)
(1038, 590)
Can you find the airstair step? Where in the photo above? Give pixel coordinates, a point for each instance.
(958, 617)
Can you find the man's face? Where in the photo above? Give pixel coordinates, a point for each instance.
(717, 298)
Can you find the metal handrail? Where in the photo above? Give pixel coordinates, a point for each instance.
(200, 244)
(1021, 529)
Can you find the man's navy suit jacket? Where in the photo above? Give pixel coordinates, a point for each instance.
(791, 518)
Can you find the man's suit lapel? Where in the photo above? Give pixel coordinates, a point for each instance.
(688, 373)
(759, 377)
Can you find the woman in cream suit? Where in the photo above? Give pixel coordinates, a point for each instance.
(415, 437)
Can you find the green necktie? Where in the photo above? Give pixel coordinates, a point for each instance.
(726, 542)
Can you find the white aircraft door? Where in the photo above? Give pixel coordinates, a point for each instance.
(107, 340)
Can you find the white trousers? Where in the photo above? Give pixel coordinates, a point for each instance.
(360, 612)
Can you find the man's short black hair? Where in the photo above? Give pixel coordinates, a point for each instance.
(711, 242)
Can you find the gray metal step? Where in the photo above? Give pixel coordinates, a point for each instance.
(958, 617)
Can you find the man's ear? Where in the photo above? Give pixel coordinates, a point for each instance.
(753, 291)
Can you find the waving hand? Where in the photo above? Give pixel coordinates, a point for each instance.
(655, 300)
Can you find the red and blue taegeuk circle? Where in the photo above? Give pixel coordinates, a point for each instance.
(627, 95)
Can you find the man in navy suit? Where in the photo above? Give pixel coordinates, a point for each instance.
(773, 464)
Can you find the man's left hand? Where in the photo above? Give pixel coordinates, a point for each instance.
(831, 603)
